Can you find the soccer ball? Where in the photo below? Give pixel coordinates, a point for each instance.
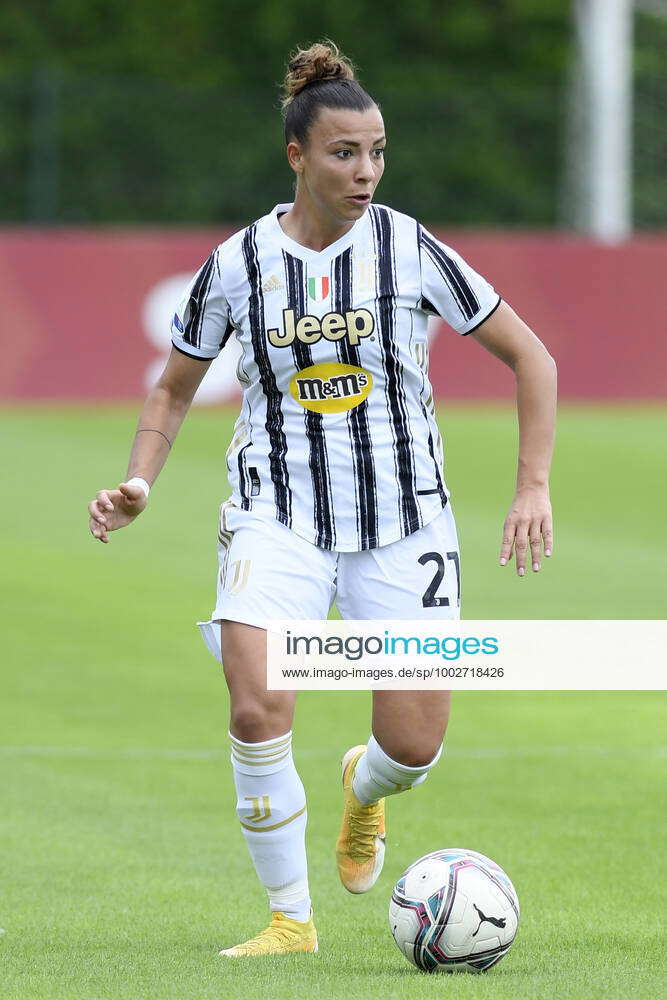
(454, 911)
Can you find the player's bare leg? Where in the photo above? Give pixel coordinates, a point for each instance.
(410, 725)
(255, 713)
(408, 729)
(271, 803)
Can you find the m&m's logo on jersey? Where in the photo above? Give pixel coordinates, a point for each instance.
(354, 324)
(331, 388)
(318, 288)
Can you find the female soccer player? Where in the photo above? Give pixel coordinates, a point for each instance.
(335, 465)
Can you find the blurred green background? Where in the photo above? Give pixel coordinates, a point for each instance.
(136, 112)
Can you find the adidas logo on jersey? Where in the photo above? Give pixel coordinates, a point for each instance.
(273, 284)
(355, 325)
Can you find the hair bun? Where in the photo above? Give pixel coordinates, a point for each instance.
(322, 61)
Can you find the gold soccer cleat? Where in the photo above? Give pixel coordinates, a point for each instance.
(283, 935)
(360, 844)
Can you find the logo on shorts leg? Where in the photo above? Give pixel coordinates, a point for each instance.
(241, 568)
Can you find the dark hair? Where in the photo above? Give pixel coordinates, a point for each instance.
(319, 77)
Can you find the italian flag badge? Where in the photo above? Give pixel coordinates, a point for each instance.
(318, 288)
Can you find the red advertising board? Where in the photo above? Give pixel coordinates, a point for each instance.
(85, 313)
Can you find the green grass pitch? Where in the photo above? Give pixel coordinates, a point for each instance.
(122, 869)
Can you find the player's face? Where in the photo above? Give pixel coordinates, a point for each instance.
(342, 162)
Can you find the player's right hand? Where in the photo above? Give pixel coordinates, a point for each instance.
(112, 509)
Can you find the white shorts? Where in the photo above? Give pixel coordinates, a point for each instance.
(267, 571)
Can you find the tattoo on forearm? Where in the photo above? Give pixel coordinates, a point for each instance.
(154, 430)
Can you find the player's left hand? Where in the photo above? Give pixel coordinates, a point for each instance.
(527, 525)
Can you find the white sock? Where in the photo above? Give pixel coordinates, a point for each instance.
(271, 806)
(377, 775)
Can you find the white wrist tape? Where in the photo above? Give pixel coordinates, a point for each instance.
(138, 481)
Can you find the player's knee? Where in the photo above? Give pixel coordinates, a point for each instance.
(256, 721)
(418, 753)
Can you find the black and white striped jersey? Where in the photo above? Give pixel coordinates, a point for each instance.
(337, 436)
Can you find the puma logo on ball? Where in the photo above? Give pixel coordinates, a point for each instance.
(496, 921)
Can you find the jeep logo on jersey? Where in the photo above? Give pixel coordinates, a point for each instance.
(355, 324)
(331, 387)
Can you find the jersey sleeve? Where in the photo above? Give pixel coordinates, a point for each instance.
(450, 287)
(201, 325)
